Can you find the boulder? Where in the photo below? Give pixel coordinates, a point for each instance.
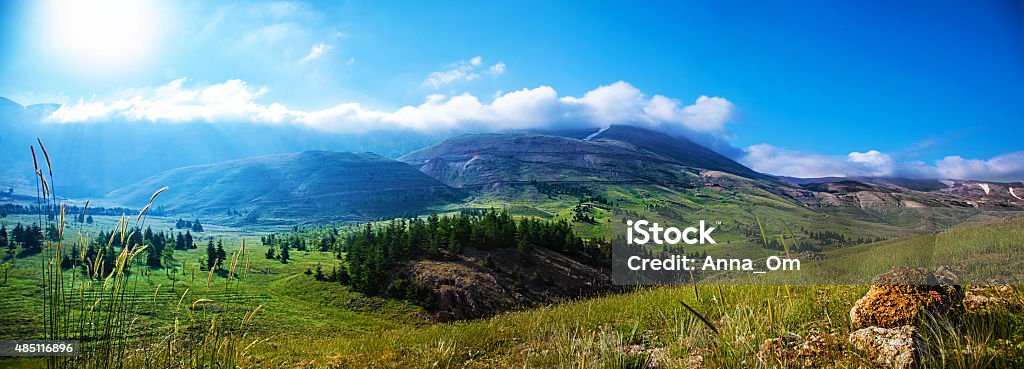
(897, 348)
(900, 297)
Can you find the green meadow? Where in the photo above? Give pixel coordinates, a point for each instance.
(274, 314)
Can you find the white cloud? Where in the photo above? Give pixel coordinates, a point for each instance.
(1009, 166)
(770, 159)
(872, 163)
(773, 160)
(540, 107)
(316, 51)
(621, 102)
(617, 102)
(497, 69)
(464, 70)
(232, 100)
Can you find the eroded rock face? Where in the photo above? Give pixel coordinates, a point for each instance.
(898, 348)
(465, 287)
(900, 297)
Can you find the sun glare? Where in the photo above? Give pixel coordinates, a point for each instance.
(102, 33)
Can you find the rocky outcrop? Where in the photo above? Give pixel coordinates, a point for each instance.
(901, 297)
(898, 348)
(481, 283)
(884, 319)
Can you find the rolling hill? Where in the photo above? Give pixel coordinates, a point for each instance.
(308, 185)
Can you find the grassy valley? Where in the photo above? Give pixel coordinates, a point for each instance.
(493, 251)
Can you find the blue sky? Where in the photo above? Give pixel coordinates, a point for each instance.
(918, 88)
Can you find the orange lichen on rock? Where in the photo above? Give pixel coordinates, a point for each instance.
(902, 295)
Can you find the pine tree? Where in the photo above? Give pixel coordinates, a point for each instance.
(4, 242)
(211, 255)
(179, 242)
(220, 252)
(32, 240)
(284, 253)
(270, 253)
(319, 274)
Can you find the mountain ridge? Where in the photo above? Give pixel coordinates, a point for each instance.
(616, 154)
(310, 183)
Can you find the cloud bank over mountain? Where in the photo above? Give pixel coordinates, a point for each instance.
(770, 159)
(706, 120)
(528, 108)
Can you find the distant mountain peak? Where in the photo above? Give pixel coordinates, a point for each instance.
(616, 154)
(6, 103)
(681, 149)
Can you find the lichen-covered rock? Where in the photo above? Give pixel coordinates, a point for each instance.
(898, 348)
(982, 298)
(900, 296)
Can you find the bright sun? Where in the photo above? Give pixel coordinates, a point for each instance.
(102, 33)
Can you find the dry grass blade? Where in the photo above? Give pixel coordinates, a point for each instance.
(247, 319)
(35, 162)
(796, 243)
(112, 234)
(60, 228)
(46, 186)
(151, 198)
(45, 155)
(199, 301)
(701, 317)
(210, 276)
(181, 299)
(761, 227)
(143, 212)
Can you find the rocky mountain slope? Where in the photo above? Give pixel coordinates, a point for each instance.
(619, 154)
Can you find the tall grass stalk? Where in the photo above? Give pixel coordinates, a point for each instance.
(97, 301)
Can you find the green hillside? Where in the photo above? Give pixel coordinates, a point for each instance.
(310, 185)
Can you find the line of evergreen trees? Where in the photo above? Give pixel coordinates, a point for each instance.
(372, 252)
(215, 255)
(6, 209)
(104, 248)
(194, 226)
(279, 248)
(29, 238)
